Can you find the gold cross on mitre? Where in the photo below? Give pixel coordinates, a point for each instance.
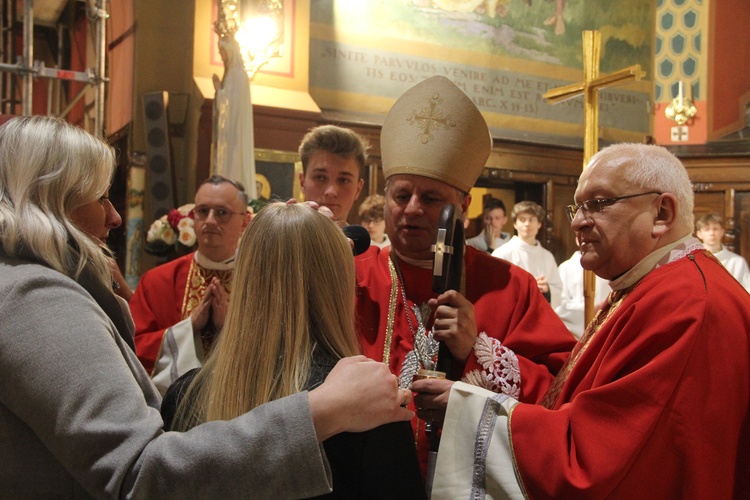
(589, 88)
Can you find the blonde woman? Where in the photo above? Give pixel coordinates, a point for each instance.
(79, 416)
(290, 319)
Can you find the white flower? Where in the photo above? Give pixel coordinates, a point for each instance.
(157, 229)
(187, 235)
(186, 223)
(169, 235)
(185, 209)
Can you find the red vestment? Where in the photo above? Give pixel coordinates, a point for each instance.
(507, 304)
(656, 403)
(163, 298)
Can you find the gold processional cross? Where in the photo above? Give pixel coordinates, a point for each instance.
(589, 88)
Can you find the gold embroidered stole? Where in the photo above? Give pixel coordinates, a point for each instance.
(391, 312)
(195, 289)
(614, 299)
(393, 299)
(396, 283)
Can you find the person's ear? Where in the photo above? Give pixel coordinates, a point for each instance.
(248, 217)
(666, 214)
(360, 185)
(302, 182)
(465, 208)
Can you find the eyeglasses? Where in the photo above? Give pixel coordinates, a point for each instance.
(595, 206)
(366, 222)
(220, 214)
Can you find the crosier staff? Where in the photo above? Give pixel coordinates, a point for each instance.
(446, 269)
(446, 275)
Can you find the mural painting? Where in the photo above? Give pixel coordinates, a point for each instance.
(503, 53)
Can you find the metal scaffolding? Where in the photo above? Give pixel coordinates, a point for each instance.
(29, 69)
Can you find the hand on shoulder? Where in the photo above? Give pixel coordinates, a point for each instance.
(358, 395)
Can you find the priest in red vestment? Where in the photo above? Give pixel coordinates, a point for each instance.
(180, 306)
(502, 333)
(653, 401)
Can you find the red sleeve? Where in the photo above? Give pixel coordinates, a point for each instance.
(509, 307)
(156, 306)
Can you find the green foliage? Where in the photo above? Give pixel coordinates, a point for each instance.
(257, 204)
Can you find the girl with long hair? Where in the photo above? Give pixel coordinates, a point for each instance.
(290, 319)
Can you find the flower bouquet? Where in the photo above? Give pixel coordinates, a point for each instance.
(173, 232)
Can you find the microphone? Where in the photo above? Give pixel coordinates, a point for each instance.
(360, 236)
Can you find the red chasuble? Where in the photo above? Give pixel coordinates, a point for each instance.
(655, 404)
(507, 304)
(157, 304)
(163, 298)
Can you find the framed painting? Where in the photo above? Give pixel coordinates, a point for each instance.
(277, 174)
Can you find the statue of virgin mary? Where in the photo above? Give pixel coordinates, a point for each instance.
(233, 144)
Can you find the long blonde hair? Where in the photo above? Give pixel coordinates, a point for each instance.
(292, 293)
(48, 168)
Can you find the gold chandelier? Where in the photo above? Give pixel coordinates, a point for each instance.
(681, 109)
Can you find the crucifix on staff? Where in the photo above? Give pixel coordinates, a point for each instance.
(589, 87)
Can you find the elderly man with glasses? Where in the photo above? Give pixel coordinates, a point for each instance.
(653, 400)
(180, 306)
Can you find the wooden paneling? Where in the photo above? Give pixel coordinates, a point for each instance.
(742, 226)
(564, 238)
(536, 159)
(721, 179)
(281, 129)
(709, 202)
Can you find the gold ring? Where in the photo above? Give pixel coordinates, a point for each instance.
(406, 397)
